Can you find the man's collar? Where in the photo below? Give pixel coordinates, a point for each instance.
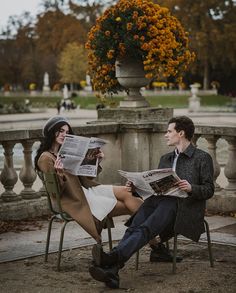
(188, 151)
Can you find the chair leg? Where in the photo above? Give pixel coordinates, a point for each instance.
(48, 238)
(60, 245)
(109, 237)
(167, 245)
(174, 254)
(136, 260)
(209, 243)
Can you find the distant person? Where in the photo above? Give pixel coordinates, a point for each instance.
(100, 106)
(58, 107)
(163, 215)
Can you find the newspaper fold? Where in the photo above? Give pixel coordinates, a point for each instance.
(158, 182)
(78, 154)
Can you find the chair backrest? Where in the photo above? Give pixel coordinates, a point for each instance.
(53, 190)
(52, 187)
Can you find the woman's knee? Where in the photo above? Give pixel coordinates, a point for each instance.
(121, 192)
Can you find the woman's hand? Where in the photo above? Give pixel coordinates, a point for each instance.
(184, 185)
(58, 165)
(100, 154)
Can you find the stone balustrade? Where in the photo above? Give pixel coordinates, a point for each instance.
(131, 147)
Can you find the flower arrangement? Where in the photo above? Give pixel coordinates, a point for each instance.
(215, 84)
(137, 28)
(32, 86)
(6, 87)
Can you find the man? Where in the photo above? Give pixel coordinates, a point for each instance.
(163, 215)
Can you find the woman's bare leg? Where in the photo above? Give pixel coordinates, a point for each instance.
(131, 202)
(119, 210)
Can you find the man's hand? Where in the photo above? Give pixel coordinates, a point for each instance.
(184, 185)
(130, 186)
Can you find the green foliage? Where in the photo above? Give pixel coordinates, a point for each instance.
(34, 102)
(72, 64)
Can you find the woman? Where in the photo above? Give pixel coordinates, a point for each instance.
(83, 199)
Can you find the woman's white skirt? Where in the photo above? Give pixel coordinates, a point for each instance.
(101, 200)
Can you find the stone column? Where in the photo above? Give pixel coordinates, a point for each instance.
(27, 173)
(230, 167)
(195, 139)
(9, 176)
(212, 140)
(225, 199)
(135, 142)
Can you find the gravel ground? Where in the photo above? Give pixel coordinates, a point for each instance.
(194, 274)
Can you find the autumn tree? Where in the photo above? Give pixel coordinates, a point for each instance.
(54, 30)
(17, 50)
(211, 25)
(72, 64)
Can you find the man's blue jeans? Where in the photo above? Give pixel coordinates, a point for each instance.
(156, 214)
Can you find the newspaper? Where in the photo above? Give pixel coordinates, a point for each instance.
(158, 182)
(78, 154)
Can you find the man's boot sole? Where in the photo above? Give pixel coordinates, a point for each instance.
(102, 276)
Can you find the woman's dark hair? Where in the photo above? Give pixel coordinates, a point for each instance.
(183, 123)
(48, 141)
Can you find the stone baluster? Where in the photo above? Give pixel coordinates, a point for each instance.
(195, 139)
(230, 167)
(27, 173)
(212, 140)
(8, 176)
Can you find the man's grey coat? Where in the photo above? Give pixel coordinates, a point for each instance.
(196, 167)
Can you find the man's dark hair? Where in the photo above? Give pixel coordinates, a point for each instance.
(183, 123)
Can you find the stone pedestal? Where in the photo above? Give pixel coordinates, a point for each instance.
(130, 74)
(194, 100)
(135, 115)
(136, 146)
(222, 202)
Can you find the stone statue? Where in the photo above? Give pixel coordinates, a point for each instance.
(46, 87)
(46, 79)
(65, 92)
(88, 86)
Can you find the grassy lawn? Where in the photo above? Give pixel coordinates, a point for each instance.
(164, 101)
(182, 101)
(90, 102)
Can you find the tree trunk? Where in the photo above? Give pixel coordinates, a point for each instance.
(206, 75)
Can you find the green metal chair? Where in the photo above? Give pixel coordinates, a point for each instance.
(175, 249)
(208, 244)
(50, 182)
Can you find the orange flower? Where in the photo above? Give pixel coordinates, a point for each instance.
(140, 28)
(129, 26)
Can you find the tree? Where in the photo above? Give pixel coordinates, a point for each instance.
(17, 49)
(211, 25)
(72, 64)
(54, 30)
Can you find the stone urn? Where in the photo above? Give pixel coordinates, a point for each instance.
(194, 100)
(131, 75)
